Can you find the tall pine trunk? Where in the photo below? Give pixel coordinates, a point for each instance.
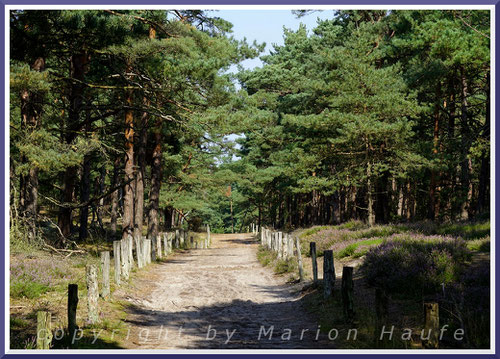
(139, 176)
(433, 212)
(484, 172)
(84, 197)
(31, 109)
(114, 196)
(128, 191)
(78, 64)
(466, 165)
(156, 177)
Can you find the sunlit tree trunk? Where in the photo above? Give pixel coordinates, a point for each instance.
(128, 191)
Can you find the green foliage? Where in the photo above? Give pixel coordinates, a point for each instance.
(467, 231)
(351, 249)
(27, 289)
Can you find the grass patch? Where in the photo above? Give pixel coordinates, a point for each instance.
(467, 231)
(479, 245)
(351, 249)
(280, 266)
(28, 289)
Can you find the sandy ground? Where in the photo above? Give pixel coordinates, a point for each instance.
(219, 297)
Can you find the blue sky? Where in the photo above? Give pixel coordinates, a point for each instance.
(266, 26)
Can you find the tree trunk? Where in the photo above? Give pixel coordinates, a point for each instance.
(128, 192)
(484, 173)
(466, 165)
(78, 64)
(100, 190)
(433, 212)
(156, 176)
(31, 109)
(369, 186)
(114, 196)
(84, 197)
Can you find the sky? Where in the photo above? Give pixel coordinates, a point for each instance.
(266, 26)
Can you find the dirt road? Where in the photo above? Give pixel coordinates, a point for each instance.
(219, 297)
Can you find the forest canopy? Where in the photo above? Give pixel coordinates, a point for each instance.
(119, 122)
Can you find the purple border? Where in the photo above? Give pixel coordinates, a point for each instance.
(4, 196)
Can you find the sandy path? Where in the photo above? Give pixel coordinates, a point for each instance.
(224, 289)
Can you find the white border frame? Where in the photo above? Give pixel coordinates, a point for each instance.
(8, 8)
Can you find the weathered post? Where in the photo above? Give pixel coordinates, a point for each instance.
(124, 258)
(328, 274)
(144, 252)
(116, 257)
(105, 290)
(72, 306)
(148, 251)
(312, 247)
(92, 293)
(380, 318)
(347, 293)
(153, 250)
(290, 246)
(299, 259)
(43, 330)
(138, 251)
(430, 337)
(130, 247)
(280, 245)
(284, 246)
(208, 235)
(177, 239)
(170, 239)
(165, 244)
(158, 246)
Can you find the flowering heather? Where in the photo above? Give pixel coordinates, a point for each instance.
(33, 276)
(339, 237)
(413, 264)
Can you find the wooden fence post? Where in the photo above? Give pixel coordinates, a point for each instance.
(165, 244)
(148, 251)
(312, 247)
(290, 246)
(138, 251)
(105, 291)
(124, 258)
(153, 250)
(299, 259)
(208, 235)
(328, 274)
(43, 330)
(130, 247)
(284, 246)
(431, 326)
(72, 306)
(280, 245)
(116, 257)
(92, 293)
(158, 246)
(347, 293)
(170, 239)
